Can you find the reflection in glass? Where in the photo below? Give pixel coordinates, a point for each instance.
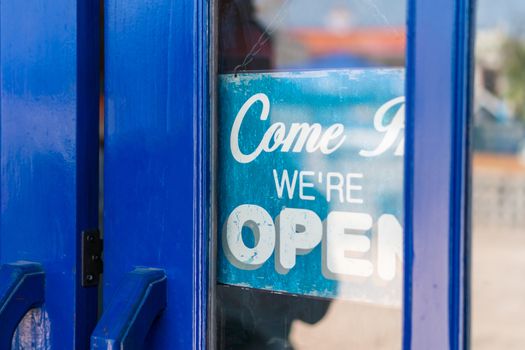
(298, 36)
(498, 207)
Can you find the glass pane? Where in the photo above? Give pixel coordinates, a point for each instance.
(310, 174)
(498, 222)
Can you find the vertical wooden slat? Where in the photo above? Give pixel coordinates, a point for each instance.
(49, 121)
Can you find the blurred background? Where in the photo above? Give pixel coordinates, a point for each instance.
(498, 193)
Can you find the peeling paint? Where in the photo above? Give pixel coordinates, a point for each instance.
(33, 332)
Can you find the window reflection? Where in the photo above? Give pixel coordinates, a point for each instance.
(287, 35)
(498, 237)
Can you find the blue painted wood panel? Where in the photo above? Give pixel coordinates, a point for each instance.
(155, 157)
(49, 122)
(436, 174)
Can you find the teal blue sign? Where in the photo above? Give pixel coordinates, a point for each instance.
(310, 183)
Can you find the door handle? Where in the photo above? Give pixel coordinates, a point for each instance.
(140, 298)
(21, 289)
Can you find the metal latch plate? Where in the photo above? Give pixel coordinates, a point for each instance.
(92, 265)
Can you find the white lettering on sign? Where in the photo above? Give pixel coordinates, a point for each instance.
(389, 246)
(353, 244)
(312, 137)
(261, 224)
(332, 185)
(346, 247)
(300, 136)
(300, 231)
(285, 182)
(345, 234)
(391, 131)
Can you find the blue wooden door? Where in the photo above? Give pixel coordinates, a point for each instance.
(49, 169)
(158, 175)
(155, 164)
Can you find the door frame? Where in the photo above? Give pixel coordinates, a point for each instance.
(437, 174)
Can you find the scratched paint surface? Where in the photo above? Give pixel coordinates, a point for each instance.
(49, 142)
(33, 332)
(348, 97)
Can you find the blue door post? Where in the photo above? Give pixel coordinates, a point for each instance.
(156, 174)
(49, 156)
(436, 174)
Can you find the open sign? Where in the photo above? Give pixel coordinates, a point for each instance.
(298, 231)
(310, 183)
